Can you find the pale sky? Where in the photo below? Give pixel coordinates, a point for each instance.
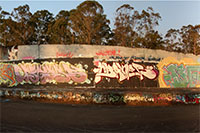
(175, 14)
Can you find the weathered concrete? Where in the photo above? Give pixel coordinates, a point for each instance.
(3, 53)
(96, 51)
(28, 51)
(101, 75)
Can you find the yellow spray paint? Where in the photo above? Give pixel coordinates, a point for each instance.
(174, 73)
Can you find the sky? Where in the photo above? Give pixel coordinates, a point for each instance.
(174, 14)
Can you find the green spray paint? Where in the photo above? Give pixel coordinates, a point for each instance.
(181, 76)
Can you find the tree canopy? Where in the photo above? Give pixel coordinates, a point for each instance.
(87, 24)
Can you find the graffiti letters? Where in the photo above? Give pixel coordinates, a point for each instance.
(177, 74)
(12, 53)
(123, 71)
(7, 75)
(135, 58)
(188, 98)
(28, 58)
(181, 76)
(47, 72)
(68, 54)
(108, 53)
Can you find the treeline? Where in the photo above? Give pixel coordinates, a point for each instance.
(87, 24)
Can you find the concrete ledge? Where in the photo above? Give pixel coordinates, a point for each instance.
(139, 96)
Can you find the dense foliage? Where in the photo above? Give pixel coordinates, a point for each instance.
(87, 24)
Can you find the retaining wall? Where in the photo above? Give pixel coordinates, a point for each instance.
(79, 67)
(97, 52)
(168, 73)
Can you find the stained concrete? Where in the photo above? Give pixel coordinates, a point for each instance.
(27, 51)
(81, 50)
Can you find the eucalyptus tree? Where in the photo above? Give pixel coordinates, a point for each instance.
(125, 25)
(59, 30)
(41, 20)
(16, 28)
(190, 39)
(89, 24)
(186, 39)
(172, 40)
(147, 21)
(151, 40)
(136, 29)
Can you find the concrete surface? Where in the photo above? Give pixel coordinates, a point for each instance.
(77, 50)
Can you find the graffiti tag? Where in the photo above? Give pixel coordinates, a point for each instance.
(108, 53)
(49, 72)
(12, 53)
(188, 98)
(135, 58)
(181, 76)
(7, 75)
(28, 58)
(68, 54)
(123, 71)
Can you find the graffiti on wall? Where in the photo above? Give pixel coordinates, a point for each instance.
(12, 53)
(47, 72)
(65, 55)
(108, 53)
(132, 98)
(28, 58)
(184, 73)
(188, 98)
(7, 75)
(123, 71)
(135, 58)
(170, 73)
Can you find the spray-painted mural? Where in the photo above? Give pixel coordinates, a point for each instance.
(42, 73)
(13, 53)
(168, 73)
(174, 73)
(49, 72)
(7, 75)
(122, 73)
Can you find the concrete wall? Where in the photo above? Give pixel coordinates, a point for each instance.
(168, 73)
(28, 52)
(100, 67)
(79, 72)
(3, 53)
(97, 52)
